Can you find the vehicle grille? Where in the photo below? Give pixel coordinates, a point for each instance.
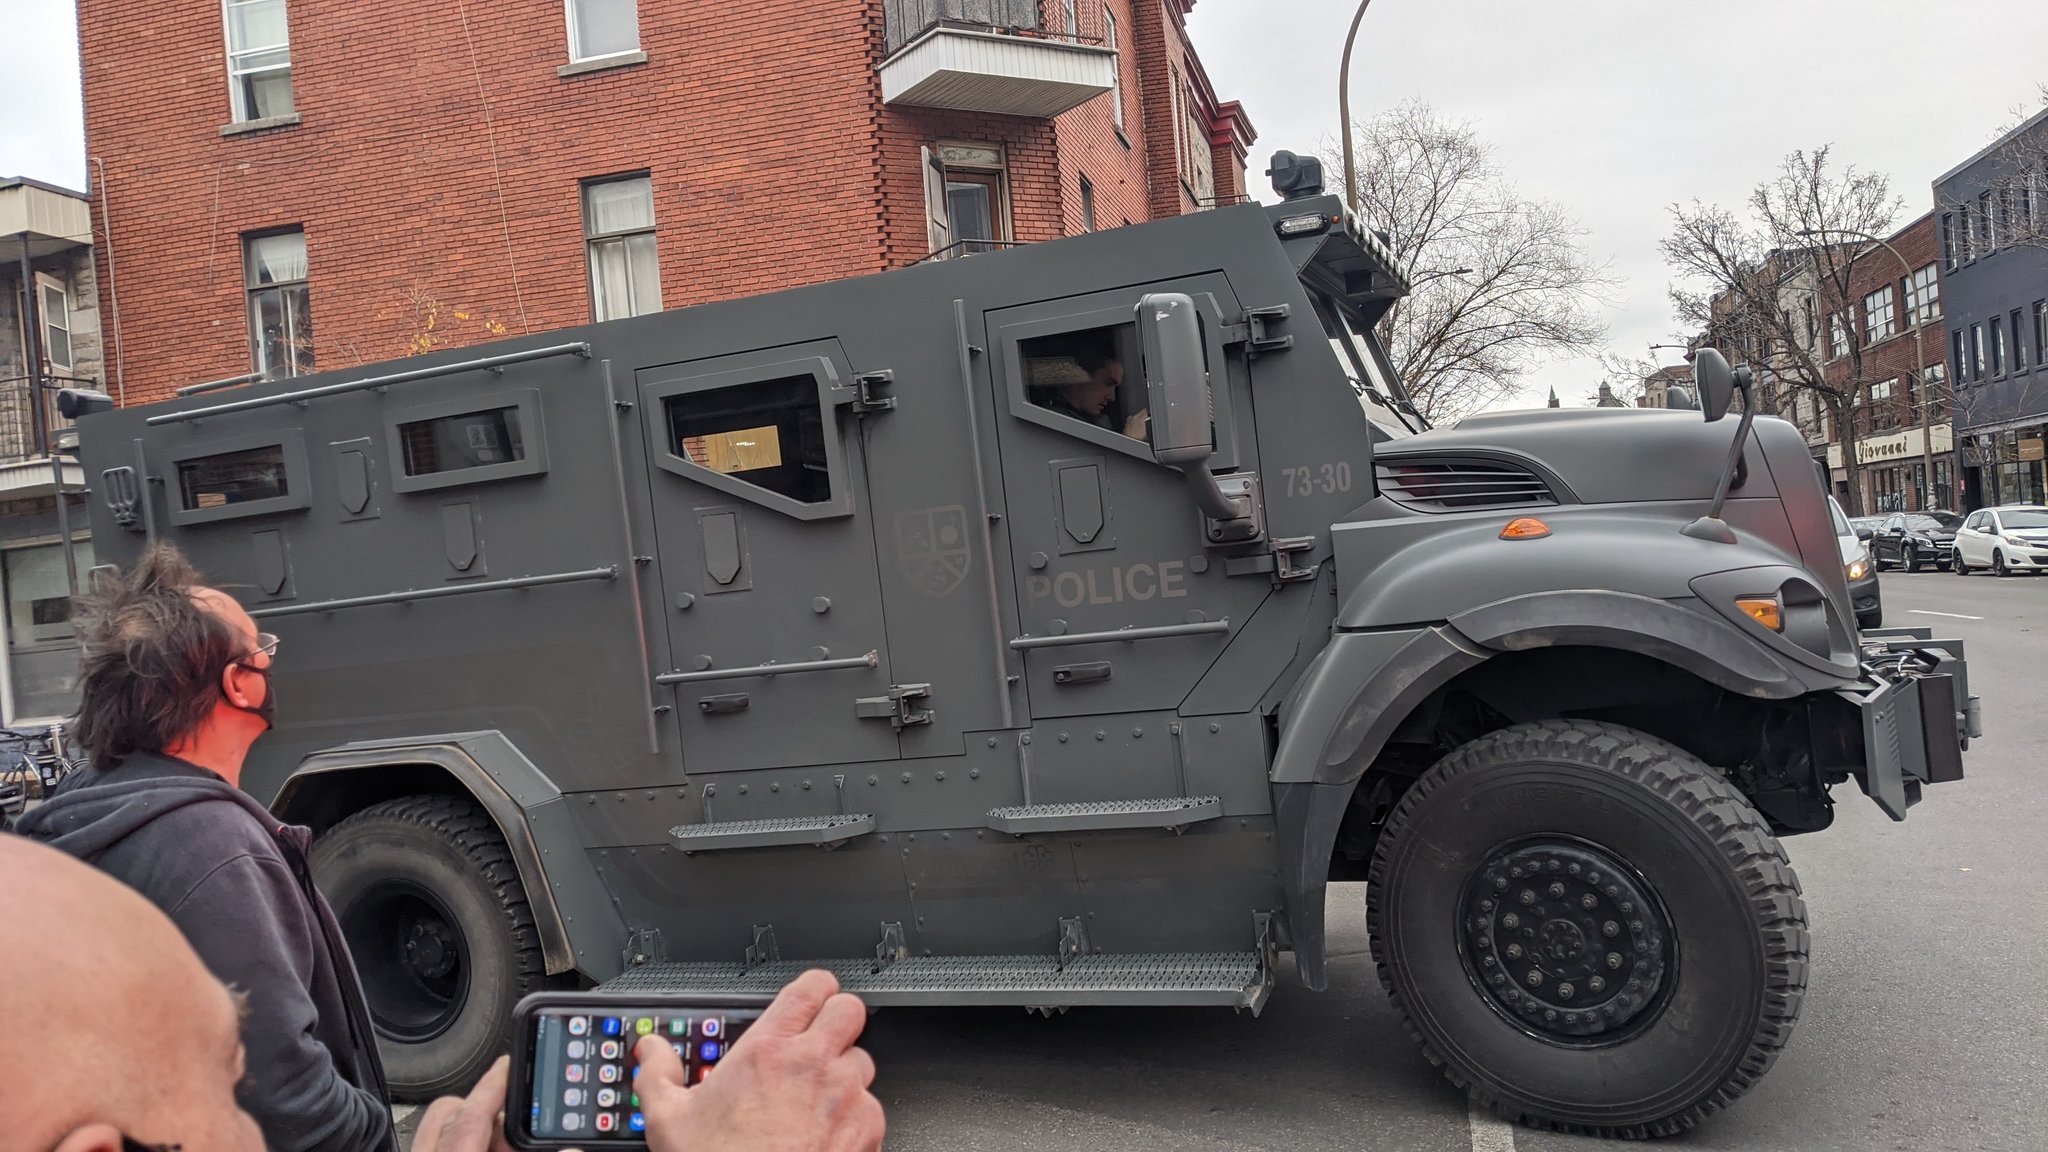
(1459, 485)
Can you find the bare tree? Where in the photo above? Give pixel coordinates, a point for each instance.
(1771, 287)
(2013, 208)
(1500, 282)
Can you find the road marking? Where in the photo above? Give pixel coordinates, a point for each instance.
(1490, 1133)
(403, 1112)
(1950, 615)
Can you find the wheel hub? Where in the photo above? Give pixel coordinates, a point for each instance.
(1564, 939)
(431, 949)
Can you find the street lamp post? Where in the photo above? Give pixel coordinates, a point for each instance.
(1926, 404)
(1344, 109)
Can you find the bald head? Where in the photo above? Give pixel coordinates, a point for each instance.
(112, 1026)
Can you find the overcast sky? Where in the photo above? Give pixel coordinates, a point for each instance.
(1616, 108)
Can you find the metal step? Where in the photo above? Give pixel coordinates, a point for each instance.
(1219, 979)
(826, 831)
(1168, 812)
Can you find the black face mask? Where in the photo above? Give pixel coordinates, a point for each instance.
(266, 711)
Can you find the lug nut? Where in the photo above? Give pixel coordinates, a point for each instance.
(1500, 883)
(1614, 960)
(1610, 929)
(1556, 890)
(1635, 926)
(1487, 961)
(1514, 951)
(1527, 896)
(1486, 905)
(1534, 978)
(1516, 871)
(1597, 984)
(1588, 901)
(1511, 921)
(1574, 869)
(1564, 991)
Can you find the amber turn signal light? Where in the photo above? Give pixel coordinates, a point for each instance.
(1764, 610)
(1525, 528)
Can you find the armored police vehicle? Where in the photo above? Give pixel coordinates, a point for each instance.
(1048, 628)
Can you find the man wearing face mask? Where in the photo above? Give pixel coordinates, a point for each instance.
(175, 685)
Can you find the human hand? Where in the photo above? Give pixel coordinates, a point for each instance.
(794, 1082)
(1139, 426)
(475, 1123)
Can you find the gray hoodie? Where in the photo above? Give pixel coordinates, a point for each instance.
(235, 880)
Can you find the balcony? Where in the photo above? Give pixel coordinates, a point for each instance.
(986, 56)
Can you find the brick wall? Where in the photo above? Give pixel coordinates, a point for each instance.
(438, 163)
(1892, 358)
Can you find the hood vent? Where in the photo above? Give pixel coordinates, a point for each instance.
(1447, 485)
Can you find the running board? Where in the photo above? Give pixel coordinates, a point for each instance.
(824, 831)
(1175, 812)
(1215, 979)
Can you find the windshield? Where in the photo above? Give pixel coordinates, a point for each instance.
(1372, 378)
(2025, 518)
(1933, 522)
(1841, 522)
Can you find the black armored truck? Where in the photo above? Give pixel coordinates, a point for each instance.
(1048, 628)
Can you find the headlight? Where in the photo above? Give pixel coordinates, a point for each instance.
(1859, 567)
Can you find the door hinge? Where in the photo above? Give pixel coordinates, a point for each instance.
(1285, 569)
(764, 949)
(899, 707)
(1256, 331)
(866, 394)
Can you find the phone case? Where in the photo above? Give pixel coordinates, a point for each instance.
(519, 1093)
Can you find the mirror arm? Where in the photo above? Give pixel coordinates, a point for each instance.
(1711, 526)
(1209, 495)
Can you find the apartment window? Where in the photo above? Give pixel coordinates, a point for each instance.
(1955, 355)
(1877, 315)
(603, 28)
(1936, 376)
(1071, 10)
(1116, 76)
(2019, 341)
(1997, 346)
(2040, 333)
(1966, 235)
(53, 306)
(1976, 351)
(259, 59)
(280, 316)
(1087, 205)
(618, 226)
(975, 201)
(1838, 335)
(1986, 240)
(1923, 297)
(1948, 241)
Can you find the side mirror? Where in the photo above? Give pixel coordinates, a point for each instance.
(1679, 399)
(1177, 386)
(1863, 532)
(1716, 383)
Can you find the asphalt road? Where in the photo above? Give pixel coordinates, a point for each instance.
(1925, 1025)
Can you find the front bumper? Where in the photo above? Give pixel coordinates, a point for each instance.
(1918, 714)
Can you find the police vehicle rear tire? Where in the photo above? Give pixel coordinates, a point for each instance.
(1588, 929)
(440, 931)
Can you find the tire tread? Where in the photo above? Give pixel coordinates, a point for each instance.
(1704, 796)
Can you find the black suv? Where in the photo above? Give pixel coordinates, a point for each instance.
(1915, 538)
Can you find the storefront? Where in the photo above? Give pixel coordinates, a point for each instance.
(2008, 467)
(1894, 471)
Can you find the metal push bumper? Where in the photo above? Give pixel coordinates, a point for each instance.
(1917, 712)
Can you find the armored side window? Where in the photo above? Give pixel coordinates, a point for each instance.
(244, 476)
(1081, 375)
(769, 433)
(466, 441)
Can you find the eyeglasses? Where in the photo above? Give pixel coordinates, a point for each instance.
(266, 645)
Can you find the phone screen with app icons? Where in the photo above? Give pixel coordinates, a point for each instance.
(579, 1066)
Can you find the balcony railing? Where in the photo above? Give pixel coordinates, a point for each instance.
(906, 20)
(986, 56)
(25, 433)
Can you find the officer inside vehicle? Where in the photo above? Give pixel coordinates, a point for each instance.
(1085, 387)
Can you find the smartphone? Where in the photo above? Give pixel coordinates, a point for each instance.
(572, 1061)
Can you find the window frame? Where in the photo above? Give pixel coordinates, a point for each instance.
(828, 369)
(1841, 331)
(576, 54)
(1996, 326)
(298, 476)
(591, 240)
(1871, 334)
(532, 437)
(1976, 350)
(1116, 81)
(1087, 202)
(2018, 359)
(238, 111)
(998, 185)
(251, 291)
(46, 284)
(1923, 298)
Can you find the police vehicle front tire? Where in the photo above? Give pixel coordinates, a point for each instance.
(1588, 929)
(441, 934)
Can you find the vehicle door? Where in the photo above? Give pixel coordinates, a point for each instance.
(1103, 538)
(1970, 539)
(1891, 541)
(770, 583)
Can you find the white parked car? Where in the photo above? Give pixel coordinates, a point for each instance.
(2007, 539)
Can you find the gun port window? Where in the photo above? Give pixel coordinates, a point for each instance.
(1081, 375)
(770, 433)
(464, 440)
(232, 478)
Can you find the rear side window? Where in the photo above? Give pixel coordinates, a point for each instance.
(233, 478)
(465, 440)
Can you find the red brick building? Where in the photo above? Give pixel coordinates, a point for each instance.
(300, 184)
(1894, 292)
